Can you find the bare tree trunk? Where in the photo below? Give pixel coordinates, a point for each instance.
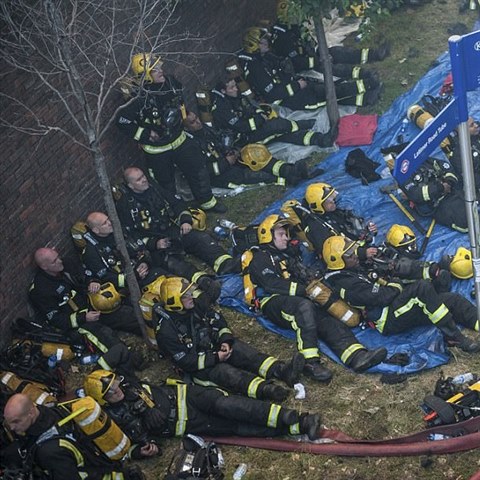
(324, 57)
(133, 287)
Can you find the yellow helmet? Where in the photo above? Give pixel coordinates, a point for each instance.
(333, 250)
(252, 38)
(316, 194)
(97, 383)
(171, 291)
(270, 223)
(402, 238)
(282, 11)
(255, 156)
(461, 265)
(199, 218)
(107, 299)
(143, 64)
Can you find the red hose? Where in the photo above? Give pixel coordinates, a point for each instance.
(464, 436)
(451, 445)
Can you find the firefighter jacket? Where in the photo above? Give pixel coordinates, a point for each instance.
(61, 300)
(267, 76)
(210, 142)
(198, 410)
(191, 339)
(236, 114)
(64, 452)
(363, 293)
(159, 108)
(152, 215)
(318, 228)
(140, 397)
(103, 262)
(276, 272)
(287, 42)
(425, 189)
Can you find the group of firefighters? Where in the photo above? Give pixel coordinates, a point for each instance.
(233, 388)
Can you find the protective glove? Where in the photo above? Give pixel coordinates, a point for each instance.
(153, 419)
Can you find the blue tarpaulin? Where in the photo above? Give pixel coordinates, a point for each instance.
(424, 345)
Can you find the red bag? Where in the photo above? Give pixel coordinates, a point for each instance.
(355, 130)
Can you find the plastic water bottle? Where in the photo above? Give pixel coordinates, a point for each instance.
(89, 359)
(240, 471)
(463, 378)
(52, 361)
(223, 222)
(221, 232)
(438, 436)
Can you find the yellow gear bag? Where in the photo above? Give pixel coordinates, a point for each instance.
(100, 428)
(37, 392)
(336, 307)
(248, 285)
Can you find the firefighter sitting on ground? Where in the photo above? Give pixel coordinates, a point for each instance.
(61, 451)
(102, 259)
(251, 124)
(154, 120)
(291, 42)
(59, 297)
(164, 223)
(173, 410)
(275, 82)
(200, 343)
(395, 308)
(280, 283)
(398, 257)
(253, 164)
(434, 191)
(318, 217)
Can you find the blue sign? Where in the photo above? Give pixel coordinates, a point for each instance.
(425, 143)
(465, 56)
(465, 59)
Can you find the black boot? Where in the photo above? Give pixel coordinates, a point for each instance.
(364, 359)
(314, 369)
(273, 392)
(310, 425)
(464, 343)
(372, 96)
(218, 207)
(290, 372)
(382, 52)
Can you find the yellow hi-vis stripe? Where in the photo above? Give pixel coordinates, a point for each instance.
(76, 453)
(265, 366)
(253, 387)
(276, 167)
(273, 414)
(308, 137)
(291, 319)
(252, 125)
(295, 127)
(294, 429)
(350, 351)
(154, 149)
(356, 73)
(93, 339)
(364, 56)
(181, 410)
(220, 260)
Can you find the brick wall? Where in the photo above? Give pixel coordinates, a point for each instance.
(48, 182)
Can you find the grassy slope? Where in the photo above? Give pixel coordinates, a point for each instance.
(358, 404)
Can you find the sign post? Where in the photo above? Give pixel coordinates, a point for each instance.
(465, 60)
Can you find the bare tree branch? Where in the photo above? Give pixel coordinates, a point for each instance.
(79, 52)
